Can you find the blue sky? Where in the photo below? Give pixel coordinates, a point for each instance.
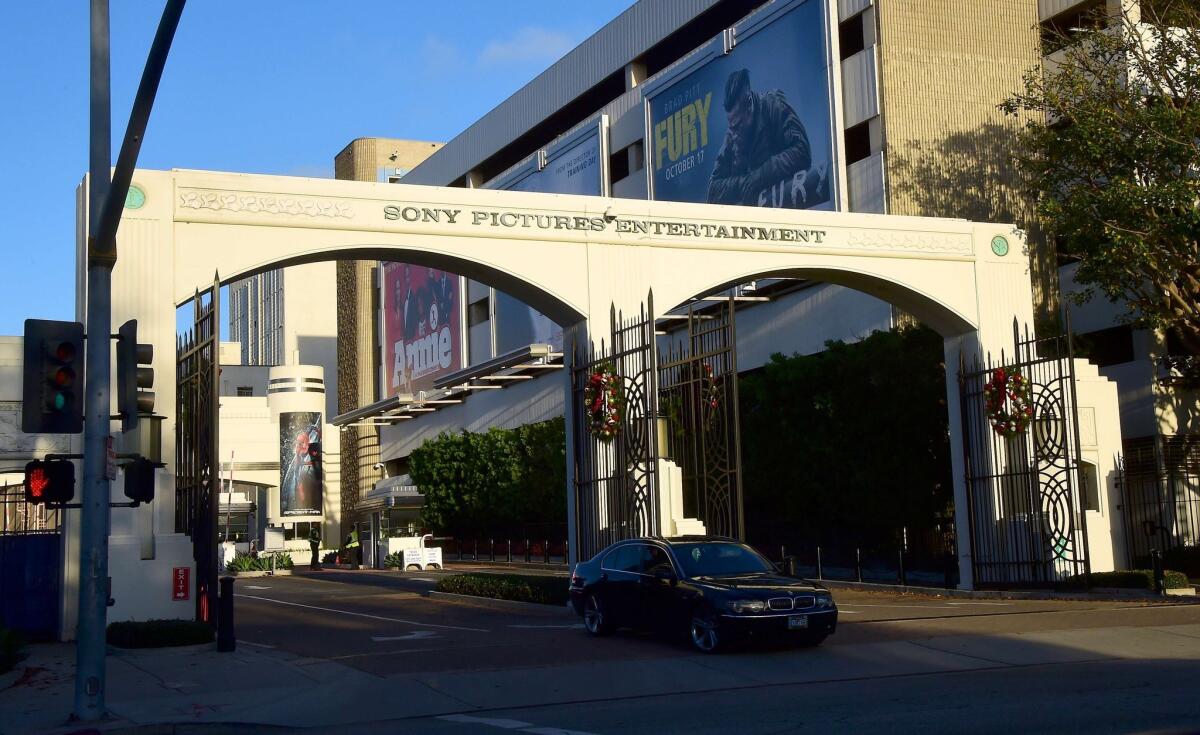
(262, 86)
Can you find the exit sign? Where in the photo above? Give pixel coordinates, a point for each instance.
(181, 583)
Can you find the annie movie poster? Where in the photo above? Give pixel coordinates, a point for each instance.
(299, 463)
(421, 339)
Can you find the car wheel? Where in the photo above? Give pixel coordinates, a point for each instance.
(595, 616)
(705, 632)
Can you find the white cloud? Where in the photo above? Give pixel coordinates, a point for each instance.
(531, 43)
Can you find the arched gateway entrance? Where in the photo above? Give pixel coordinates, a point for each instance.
(573, 258)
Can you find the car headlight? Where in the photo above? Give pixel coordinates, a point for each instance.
(824, 601)
(747, 606)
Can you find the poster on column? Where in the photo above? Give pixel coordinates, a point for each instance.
(573, 167)
(300, 483)
(421, 339)
(752, 127)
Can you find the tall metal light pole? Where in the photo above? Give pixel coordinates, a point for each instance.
(105, 200)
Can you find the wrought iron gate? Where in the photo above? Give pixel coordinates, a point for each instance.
(698, 399)
(1160, 495)
(616, 479)
(1024, 500)
(196, 468)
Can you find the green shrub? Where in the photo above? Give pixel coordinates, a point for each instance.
(1137, 579)
(331, 557)
(246, 563)
(394, 560)
(158, 633)
(11, 643)
(522, 588)
(1184, 558)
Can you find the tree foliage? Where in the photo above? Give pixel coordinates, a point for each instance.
(849, 444)
(1111, 152)
(502, 481)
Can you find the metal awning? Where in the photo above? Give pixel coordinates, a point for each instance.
(456, 387)
(391, 492)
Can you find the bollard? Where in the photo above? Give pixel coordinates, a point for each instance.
(790, 566)
(509, 557)
(546, 550)
(819, 570)
(566, 553)
(901, 576)
(857, 564)
(783, 554)
(1160, 581)
(226, 643)
(492, 549)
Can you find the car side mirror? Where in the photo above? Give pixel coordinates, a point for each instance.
(664, 574)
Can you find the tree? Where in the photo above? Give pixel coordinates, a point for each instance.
(1111, 154)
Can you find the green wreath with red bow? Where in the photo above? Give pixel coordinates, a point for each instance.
(604, 402)
(1008, 398)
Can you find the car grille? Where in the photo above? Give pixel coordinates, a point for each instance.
(790, 603)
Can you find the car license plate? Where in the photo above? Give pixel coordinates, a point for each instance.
(796, 622)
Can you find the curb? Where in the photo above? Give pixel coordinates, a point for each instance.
(499, 604)
(255, 574)
(1113, 594)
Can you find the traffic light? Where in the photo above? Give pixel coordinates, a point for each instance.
(53, 377)
(133, 374)
(139, 480)
(49, 481)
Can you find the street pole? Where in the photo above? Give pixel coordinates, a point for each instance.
(94, 513)
(104, 216)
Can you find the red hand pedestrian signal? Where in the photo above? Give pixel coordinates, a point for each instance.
(49, 481)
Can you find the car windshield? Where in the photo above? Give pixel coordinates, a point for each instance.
(718, 560)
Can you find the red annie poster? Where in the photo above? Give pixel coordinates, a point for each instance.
(421, 334)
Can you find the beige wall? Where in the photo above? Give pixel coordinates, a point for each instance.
(945, 65)
(364, 159)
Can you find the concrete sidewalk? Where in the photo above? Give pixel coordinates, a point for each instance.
(196, 687)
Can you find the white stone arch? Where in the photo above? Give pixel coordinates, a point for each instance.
(571, 257)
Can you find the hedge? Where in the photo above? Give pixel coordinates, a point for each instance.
(158, 633)
(1137, 579)
(545, 590)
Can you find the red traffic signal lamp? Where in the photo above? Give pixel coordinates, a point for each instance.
(53, 377)
(49, 481)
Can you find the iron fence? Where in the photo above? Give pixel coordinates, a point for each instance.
(1160, 496)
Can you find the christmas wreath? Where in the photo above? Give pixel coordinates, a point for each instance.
(603, 402)
(1009, 401)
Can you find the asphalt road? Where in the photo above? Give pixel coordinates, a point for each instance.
(905, 663)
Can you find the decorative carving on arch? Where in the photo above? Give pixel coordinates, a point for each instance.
(256, 203)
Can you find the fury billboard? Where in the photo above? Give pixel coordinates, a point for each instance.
(421, 336)
(754, 126)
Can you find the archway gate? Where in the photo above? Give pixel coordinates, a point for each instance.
(572, 258)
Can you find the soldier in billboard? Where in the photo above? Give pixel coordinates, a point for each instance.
(442, 285)
(765, 158)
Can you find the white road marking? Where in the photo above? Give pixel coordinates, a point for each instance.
(493, 721)
(252, 643)
(576, 626)
(256, 587)
(423, 579)
(863, 604)
(365, 615)
(999, 604)
(413, 636)
(517, 725)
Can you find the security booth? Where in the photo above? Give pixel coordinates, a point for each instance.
(390, 511)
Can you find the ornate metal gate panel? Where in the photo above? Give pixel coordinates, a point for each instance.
(616, 479)
(196, 468)
(698, 399)
(1024, 490)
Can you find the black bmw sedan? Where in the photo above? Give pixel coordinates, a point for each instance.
(716, 590)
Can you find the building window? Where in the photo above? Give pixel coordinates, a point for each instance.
(1058, 30)
(858, 142)
(1104, 347)
(618, 165)
(852, 36)
(1090, 492)
(477, 313)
